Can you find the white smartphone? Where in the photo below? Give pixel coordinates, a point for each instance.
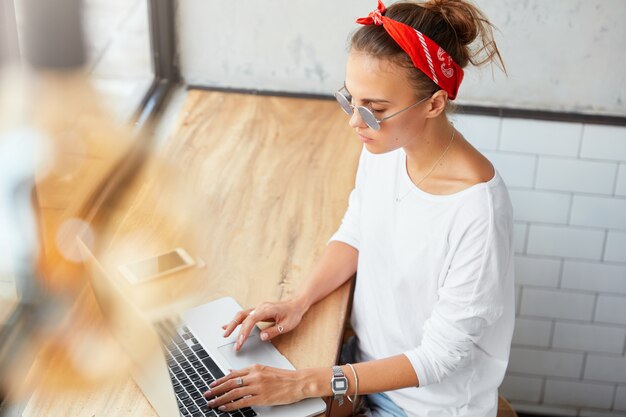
(156, 266)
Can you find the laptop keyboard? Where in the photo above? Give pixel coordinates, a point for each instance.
(192, 370)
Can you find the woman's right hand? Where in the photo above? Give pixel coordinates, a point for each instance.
(286, 315)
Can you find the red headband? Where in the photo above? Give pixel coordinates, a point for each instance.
(421, 49)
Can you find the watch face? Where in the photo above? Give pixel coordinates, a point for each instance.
(340, 384)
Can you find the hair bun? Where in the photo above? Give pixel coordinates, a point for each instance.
(460, 15)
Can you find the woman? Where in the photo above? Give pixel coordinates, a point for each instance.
(428, 228)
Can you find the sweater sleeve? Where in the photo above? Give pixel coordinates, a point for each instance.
(349, 230)
(470, 299)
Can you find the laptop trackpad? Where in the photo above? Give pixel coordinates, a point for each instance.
(253, 351)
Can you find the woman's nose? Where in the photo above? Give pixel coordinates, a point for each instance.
(356, 120)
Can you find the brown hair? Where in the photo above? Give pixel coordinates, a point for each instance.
(452, 24)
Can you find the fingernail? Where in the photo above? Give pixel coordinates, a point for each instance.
(222, 408)
(212, 402)
(264, 336)
(212, 384)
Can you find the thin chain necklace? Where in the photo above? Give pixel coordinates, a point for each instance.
(398, 198)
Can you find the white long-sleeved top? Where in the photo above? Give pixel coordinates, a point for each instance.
(435, 283)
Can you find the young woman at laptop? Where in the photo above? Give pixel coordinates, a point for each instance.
(428, 229)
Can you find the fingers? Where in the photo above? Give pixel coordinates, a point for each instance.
(245, 400)
(236, 321)
(275, 330)
(262, 313)
(232, 395)
(214, 387)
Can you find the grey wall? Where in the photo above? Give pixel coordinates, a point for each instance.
(562, 55)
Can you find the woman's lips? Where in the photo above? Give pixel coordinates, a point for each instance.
(365, 139)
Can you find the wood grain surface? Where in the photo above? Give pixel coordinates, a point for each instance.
(252, 187)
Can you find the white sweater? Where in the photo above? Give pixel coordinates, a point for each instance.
(434, 282)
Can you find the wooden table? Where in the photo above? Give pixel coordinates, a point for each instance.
(253, 186)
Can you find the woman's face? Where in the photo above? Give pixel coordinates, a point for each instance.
(384, 88)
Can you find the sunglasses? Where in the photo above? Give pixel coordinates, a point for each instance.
(366, 114)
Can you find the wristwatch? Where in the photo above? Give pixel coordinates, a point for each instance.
(339, 384)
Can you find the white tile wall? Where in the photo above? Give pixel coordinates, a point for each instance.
(544, 410)
(516, 170)
(589, 337)
(615, 247)
(565, 174)
(611, 309)
(606, 368)
(595, 413)
(483, 132)
(524, 388)
(578, 393)
(594, 276)
(532, 332)
(602, 212)
(540, 206)
(520, 230)
(541, 137)
(604, 142)
(620, 188)
(568, 242)
(568, 189)
(545, 362)
(620, 398)
(561, 304)
(537, 271)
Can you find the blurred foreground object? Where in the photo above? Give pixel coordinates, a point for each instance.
(62, 160)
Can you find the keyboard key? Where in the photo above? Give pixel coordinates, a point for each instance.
(213, 368)
(248, 412)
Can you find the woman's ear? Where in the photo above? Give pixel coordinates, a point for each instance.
(437, 104)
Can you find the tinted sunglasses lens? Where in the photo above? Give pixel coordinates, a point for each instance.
(368, 118)
(344, 103)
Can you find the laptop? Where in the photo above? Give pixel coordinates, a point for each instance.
(175, 362)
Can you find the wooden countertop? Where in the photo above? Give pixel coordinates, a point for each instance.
(253, 186)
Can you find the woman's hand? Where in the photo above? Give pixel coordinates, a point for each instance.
(256, 385)
(286, 315)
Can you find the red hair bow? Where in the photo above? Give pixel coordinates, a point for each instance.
(426, 55)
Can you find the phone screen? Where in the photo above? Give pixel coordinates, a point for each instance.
(157, 265)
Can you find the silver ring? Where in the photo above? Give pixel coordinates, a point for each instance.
(239, 381)
(280, 329)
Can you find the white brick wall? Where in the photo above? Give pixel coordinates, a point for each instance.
(603, 212)
(615, 247)
(567, 183)
(541, 206)
(604, 142)
(620, 188)
(589, 337)
(544, 272)
(564, 241)
(576, 175)
(481, 131)
(606, 368)
(594, 276)
(540, 137)
(558, 304)
(620, 398)
(578, 393)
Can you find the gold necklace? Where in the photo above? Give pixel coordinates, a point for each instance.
(398, 198)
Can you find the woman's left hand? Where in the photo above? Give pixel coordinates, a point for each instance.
(256, 385)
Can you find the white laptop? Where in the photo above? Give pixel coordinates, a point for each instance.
(174, 378)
